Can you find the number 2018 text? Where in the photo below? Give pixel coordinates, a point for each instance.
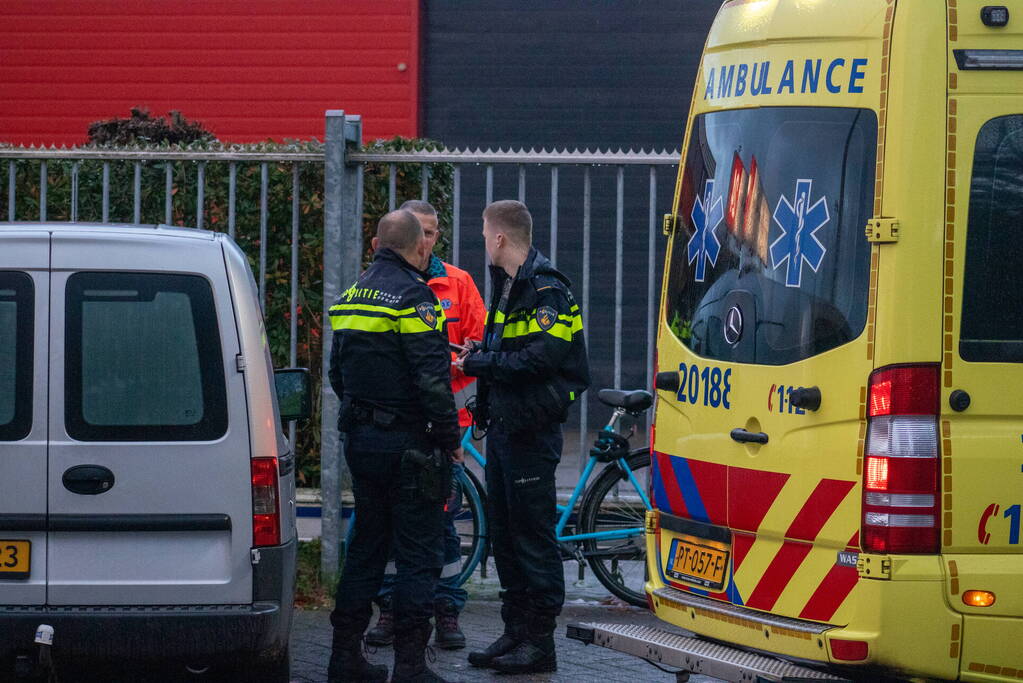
(707, 386)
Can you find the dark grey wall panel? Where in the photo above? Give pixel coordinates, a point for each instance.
(545, 73)
(569, 74)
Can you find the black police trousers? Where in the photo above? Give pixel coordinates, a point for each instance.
(521, 506)
(392, 519)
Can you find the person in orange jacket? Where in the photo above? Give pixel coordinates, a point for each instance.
(466, 316)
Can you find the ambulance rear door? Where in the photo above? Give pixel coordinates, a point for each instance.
(982, 365)
(768, 308)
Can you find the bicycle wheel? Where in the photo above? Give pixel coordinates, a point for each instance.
(620, 563)
(471, 523)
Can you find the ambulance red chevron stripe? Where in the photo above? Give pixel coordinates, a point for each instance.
(741, 499)
(808, 522)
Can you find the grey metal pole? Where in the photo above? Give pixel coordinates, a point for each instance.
(486, 260)
(456, 215)
(74, 192)
(293, 332)
(200, 194)
(425, 179)
(168, 193)
(651, 303)
(232, 191)
(342, 256)
(651, 306)
(264, 188)
(619, 285)
(522, 183)
(392, 187)
(554, 217)
(42, 190)
(11, 189)
(136, 213)
(584, 404)
(106, 192)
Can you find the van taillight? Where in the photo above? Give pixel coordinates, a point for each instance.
(266, 511)
(901, 490)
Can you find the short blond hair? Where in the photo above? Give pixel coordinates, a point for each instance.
(513, 219)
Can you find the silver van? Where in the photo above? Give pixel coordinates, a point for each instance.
(147, 492)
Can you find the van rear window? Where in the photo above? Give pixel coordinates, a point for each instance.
(16, 344)
(143, 359)
(992, 326)
(770, 264)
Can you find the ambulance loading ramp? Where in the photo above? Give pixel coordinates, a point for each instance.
(693, 655)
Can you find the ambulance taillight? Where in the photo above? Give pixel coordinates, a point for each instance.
(901, 482)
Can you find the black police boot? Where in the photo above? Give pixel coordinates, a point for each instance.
(514, 633)
(348, 663)
(383, 632)
(535, 654)
(409, 656)
(445, 618)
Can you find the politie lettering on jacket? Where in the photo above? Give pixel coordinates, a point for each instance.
(370, 294)
(794, 76)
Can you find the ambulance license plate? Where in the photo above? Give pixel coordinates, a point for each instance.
(698, 561)
(15, 559)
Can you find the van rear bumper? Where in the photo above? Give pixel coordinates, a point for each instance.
(157, 632)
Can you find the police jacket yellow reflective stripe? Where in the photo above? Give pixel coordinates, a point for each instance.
(533, 349)
(390, 350)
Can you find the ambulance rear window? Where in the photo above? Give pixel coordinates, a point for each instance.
(770, 264)
(992, 326)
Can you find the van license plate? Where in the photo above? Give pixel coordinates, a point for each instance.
(15, 558)
(697, 561)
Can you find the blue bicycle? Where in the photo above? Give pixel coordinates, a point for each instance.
(607, 533)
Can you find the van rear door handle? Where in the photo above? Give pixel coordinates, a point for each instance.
(88, 480)
(742, 436)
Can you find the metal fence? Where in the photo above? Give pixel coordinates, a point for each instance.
(544, 175)
(171, 158)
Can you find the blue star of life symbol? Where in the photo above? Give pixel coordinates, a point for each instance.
(704, 245)
(798, 243)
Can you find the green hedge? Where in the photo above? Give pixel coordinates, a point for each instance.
(215, 214)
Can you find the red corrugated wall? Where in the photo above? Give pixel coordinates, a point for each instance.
(248, 69)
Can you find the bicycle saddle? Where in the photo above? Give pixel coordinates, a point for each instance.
(633, 401)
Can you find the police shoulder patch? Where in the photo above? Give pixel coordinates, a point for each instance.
(427, 313)
(546, 316)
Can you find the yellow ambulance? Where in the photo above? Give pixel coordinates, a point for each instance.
(837, 465)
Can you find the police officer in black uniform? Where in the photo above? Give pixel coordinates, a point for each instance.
(390, 364)
(532, 366)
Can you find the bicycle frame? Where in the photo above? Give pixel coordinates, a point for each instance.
(580, 487)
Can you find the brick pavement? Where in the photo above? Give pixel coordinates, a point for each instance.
(481, 624)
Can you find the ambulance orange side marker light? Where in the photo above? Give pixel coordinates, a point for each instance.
(979, 598)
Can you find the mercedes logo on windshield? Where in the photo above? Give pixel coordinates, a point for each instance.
(733, 325)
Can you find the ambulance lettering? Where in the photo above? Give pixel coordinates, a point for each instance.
(736, 80)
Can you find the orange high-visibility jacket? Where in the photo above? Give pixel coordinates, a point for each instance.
(466, 315)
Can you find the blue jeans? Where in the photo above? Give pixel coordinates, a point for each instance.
(448, 587)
